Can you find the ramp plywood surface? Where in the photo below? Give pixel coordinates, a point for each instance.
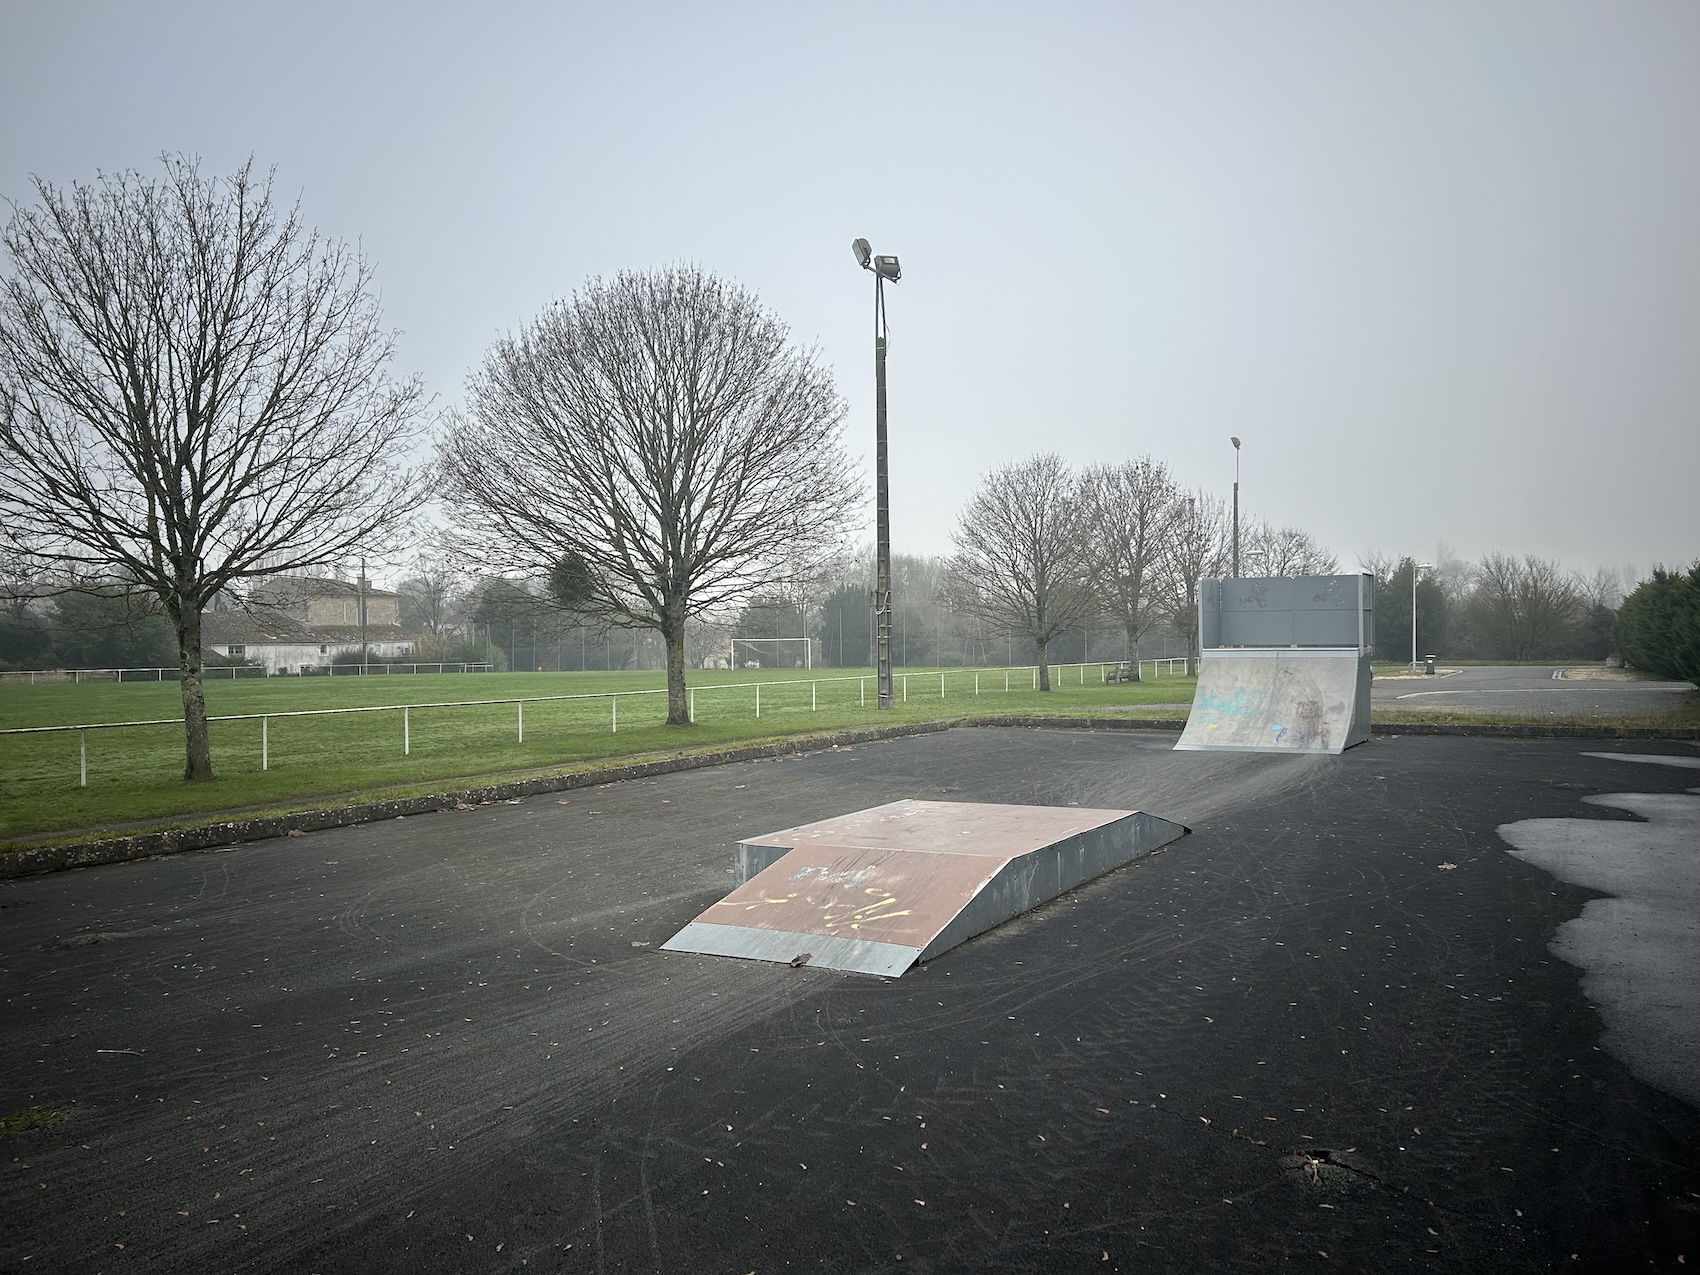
(1279, 700)
(876, 890)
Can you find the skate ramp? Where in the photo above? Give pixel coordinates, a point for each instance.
(876, 891)
(1280, 699)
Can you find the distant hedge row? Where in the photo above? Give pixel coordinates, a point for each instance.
(1658, 626)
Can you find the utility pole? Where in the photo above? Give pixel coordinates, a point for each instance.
(360, 588)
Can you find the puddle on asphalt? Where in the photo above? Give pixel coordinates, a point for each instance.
(1639, 947)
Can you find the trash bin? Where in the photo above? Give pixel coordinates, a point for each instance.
(1428, 665)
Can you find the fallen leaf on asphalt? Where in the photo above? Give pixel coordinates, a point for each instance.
(640, 942)
(296, 832)
(1447, 867)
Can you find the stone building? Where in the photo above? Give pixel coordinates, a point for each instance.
(299, 624)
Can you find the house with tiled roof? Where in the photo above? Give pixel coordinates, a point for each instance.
(295, 624)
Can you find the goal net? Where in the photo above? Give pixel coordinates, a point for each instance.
(776, 652)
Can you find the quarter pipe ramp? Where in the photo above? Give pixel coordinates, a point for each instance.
(1279, 699)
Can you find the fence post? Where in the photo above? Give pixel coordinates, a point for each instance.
(1035, 677)
(406, 732)
(812, 699)
(613, 714)
(82, 759)
(265, 743)
(861, 681)
(693, 705)
(521, 707)
(976, 683)
(941, 686)
(906, 688)
(758, 701)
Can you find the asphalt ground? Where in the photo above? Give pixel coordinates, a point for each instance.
(1294, 1039)
(1531, 691)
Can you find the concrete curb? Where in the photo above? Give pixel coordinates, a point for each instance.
(86, 854)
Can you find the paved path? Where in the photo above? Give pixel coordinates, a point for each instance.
(1532, 691)
(1327, 1022)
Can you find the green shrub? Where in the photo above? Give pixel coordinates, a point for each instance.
(1658, 626)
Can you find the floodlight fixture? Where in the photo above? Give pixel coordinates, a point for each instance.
(887, 268)
(1235, 442)
(864, 252)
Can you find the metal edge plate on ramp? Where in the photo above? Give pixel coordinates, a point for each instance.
(935, 875)
(1279, 700)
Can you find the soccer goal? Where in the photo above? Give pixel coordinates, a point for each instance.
(747, 652)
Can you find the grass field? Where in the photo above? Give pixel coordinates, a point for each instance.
(135, 773)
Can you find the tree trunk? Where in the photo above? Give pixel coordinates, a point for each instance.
(198, 766)
(678, 698)
(1043, 648)
(1133, 645)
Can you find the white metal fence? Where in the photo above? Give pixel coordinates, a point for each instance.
(905, 685)
(218, 672)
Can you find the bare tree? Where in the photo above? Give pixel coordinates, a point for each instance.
(1127, 508)
(1455, 575)
(1286, 551)
(1524, 609)
(1195, 547)
(22, 583)
(192, 394)
(661, 429)
(1021, 563)
(428, 593)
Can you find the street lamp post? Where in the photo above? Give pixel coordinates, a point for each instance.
(1417, 570)
(882, 268)
(1236, 443)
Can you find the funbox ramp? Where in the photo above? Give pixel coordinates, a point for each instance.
(1279, 700)
(875, 891)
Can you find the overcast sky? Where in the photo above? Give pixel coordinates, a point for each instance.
(1438, 265)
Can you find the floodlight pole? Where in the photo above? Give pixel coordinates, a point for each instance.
(1236, 569)
(882, 501)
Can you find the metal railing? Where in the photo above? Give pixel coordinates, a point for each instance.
(217, 672)
(998, 680)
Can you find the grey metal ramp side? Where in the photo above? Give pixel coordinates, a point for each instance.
(1028, 880)
(947, 871)
(856, 956)
(1281, 699)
